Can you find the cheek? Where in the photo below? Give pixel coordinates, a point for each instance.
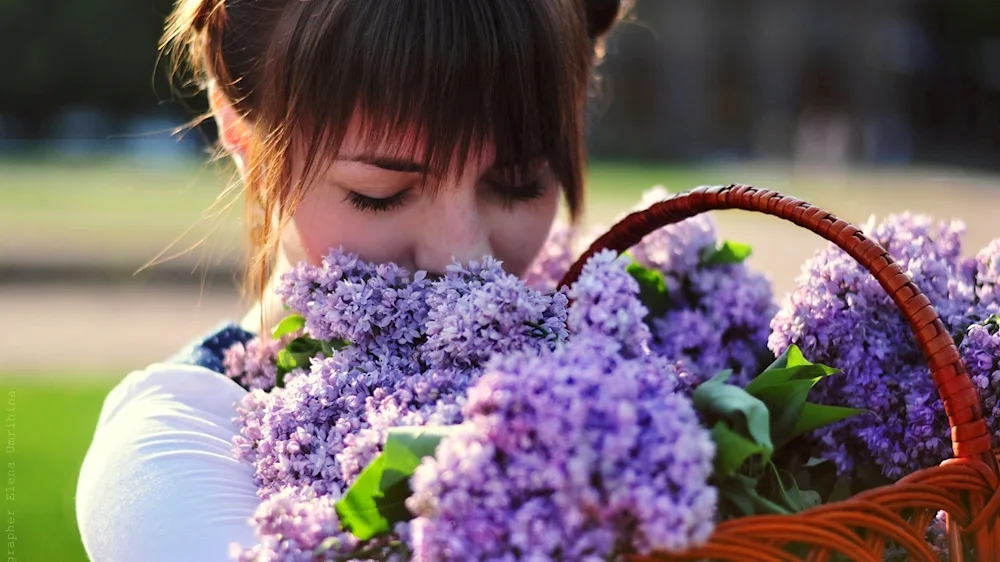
(518, 236)
(321, 223)
(313, 230)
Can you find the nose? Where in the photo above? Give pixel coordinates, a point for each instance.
(455, 230)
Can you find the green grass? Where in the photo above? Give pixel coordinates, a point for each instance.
(131, 208)
(53, 426)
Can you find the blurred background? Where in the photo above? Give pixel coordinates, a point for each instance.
(859, 106)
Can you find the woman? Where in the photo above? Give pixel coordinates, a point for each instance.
(411, 131)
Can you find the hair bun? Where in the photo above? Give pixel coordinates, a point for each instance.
(601, 15)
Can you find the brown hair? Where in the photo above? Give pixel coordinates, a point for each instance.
(457, 73)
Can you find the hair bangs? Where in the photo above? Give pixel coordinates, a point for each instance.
(433, 80)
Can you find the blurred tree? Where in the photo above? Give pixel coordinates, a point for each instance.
(99, 54)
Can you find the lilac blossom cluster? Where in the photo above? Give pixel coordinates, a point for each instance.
(573, 454)
(606, 301)
(296, 525)
(985, 273)
(254, 365)
(980, 349)
(478, 310)
(422, 345)
(718, 314)
(370, 305)
(587, 451)
(839, 315)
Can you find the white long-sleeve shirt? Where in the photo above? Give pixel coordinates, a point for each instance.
(160, 482)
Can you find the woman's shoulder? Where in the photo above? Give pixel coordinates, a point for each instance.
(160, 474)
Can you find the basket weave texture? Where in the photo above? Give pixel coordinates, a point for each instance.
(861, 527)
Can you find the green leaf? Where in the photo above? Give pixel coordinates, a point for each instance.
(814, 416)
(377, 499)
(740, 491)
(286, 363)
(357, 510)
(732, 449)
(727, 253)
(303, 345)
(794, 497)
(785, 375)
(329, 347)
(298, 354)
(292, 323)
(285, 360)
(792, 357)
(841, 490)
(814, 461)
(715, 399)
(406, 446)
(652, 289)
(785, 402)
(801, 500)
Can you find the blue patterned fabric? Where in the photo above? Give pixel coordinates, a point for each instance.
(209, 350)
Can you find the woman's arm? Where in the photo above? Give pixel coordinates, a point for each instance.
(160, 481)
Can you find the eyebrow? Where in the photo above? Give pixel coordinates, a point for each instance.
(391, 164)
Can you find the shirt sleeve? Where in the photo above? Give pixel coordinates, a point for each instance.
(160, 481)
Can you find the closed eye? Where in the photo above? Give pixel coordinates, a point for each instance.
(375, 204)
(511, 195)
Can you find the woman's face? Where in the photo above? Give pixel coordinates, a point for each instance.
(371, 201)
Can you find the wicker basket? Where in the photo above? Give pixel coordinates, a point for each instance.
(861, 527)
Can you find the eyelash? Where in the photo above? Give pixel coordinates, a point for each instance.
(509, 197)
(374, 204)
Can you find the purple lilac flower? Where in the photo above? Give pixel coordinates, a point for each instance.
(478, 310)
(553, 261)
(839, 315)
(254, 365)
(573, 454)
(718, 314)
(327, 424)
(987, 278)
(320, 430)
(293, 435)
(365, 304)
(410, 405)
(291, 525)
(721, 322)
(606, 300)
(980, 349)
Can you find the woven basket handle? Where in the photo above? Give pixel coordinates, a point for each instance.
(969, 432)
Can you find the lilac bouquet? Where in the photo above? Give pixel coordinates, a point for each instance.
(416, 347)
(395, 416)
